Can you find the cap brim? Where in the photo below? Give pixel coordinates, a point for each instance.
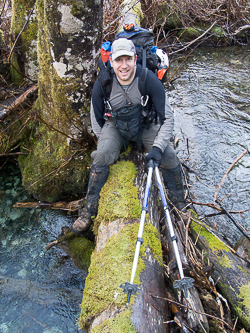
(122, 53)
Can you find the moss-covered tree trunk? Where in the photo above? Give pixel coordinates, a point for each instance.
(103, 307)
(69, 37)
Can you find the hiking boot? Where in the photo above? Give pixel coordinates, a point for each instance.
(97, 178)
(174, 186)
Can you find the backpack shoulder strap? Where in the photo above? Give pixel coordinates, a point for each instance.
(142, 81)
(106, 87)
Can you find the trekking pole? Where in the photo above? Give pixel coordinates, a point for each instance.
(185, 282)
(131, 288)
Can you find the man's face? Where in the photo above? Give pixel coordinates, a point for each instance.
(124, 68)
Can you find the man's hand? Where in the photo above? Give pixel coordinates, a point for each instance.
(154, 154)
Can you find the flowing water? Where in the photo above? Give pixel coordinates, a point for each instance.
(211, 102)
(41, 291)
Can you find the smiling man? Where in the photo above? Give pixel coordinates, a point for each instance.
(133, 107)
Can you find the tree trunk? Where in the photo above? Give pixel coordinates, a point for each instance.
(69, 37)
(103, 307)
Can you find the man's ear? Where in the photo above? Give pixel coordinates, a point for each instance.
(135, 57)
(111, 62)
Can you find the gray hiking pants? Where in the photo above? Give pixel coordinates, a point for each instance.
(110, 143)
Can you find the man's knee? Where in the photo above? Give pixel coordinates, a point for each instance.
(169, 158)
(107, 152)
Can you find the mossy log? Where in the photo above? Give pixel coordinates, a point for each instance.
(231, 274)
(103, 307)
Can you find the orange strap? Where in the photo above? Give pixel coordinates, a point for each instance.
(161, 73)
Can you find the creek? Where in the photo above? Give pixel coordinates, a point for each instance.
(211, 103)
(41, 291)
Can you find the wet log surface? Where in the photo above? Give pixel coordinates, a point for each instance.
(231, 275)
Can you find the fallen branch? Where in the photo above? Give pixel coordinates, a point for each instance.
(18, 101)
(236, 223)
(189, 308)
(195, 40)
(227, 172)
(240, 29)
(13, 154)
(69, 206)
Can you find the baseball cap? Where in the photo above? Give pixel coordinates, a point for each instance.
(122, 46)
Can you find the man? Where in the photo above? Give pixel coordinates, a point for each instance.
(115, 132)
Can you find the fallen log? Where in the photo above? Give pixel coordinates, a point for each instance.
(103, 307)
(231, 275)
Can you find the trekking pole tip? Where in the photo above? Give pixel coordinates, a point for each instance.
(128, 299)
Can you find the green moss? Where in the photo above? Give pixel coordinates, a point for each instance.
(119, 196)
(243, 310)
(120, 324)
(218, 32)
(111, 267)
(188, 34)
(27, 41)
(15, 71)
(214, 243)
(45, 171)
(225, 261)
(245, 295)
(217, 247)
(245, 271)
(81, 250)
